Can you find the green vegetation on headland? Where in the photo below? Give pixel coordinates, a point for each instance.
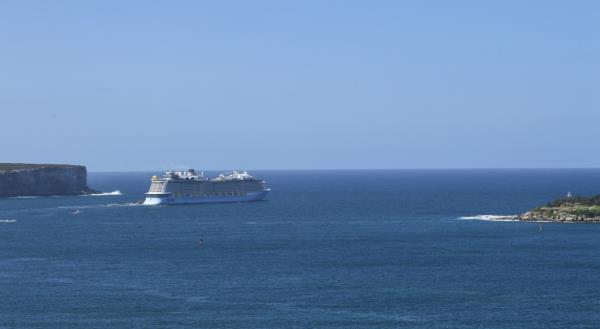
(572, 200)
(567, 209)
(22, 166)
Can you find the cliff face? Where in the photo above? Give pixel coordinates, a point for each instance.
(42, 180)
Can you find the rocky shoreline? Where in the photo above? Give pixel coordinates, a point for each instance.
(567, 210)
(556, 215)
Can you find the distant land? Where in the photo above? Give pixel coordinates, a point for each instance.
(31, 179)
(567, 209)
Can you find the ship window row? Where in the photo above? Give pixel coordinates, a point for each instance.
(179, 195)
(156, 187)
(201, 190)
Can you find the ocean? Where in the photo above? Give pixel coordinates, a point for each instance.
(326, 249)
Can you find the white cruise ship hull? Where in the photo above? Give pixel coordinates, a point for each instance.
(157, 199)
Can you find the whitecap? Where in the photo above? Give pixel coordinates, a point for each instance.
(197, 299)
(23, 197)
(493, 218)
(7, 220)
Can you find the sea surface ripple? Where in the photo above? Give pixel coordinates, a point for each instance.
(327, 249)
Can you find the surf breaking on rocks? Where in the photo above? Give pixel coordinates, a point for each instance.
(493, 218)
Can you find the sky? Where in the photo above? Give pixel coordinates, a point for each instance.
(148, 85)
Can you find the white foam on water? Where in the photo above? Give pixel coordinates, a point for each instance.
(197, 299)
(129, 204)
(116, 192)
(492, 218)
(7, 220)
(104, 205)
(23, 197)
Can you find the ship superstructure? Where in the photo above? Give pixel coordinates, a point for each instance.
(190, 187)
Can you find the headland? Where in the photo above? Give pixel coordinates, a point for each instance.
(568, 209)
(27, 179)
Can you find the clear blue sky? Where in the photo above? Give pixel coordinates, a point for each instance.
(138, 85)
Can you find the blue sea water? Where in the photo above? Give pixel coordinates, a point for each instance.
(327, 249)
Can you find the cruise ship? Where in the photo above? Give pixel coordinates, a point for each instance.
(179, 187)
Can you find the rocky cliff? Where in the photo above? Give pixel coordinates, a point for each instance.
(18, 179)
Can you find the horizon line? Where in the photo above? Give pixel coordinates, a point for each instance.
(364, 169)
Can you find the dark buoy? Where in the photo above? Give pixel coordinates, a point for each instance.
(200, 243)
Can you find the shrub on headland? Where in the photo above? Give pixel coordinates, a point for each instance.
(21, 166)
(575, 200)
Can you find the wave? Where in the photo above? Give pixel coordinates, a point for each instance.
(116, 192)
(7, 220)
(128, 204)
(492, 218)
(106, 205)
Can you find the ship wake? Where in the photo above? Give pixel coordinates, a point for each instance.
(104, 205)
(116, 192)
